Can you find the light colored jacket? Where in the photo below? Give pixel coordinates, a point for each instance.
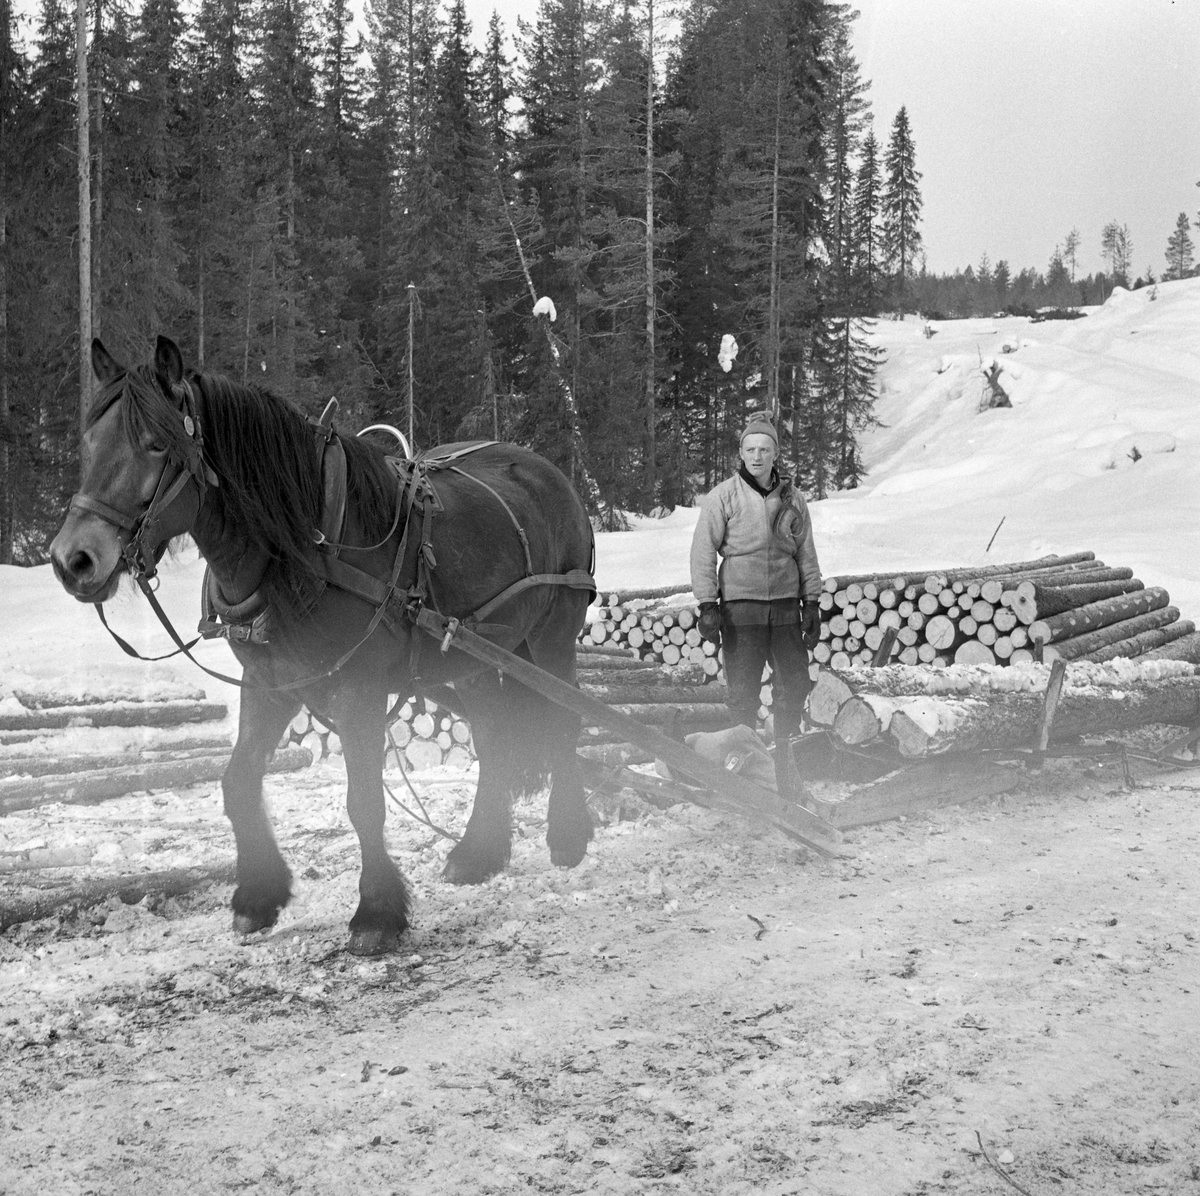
(756, 564)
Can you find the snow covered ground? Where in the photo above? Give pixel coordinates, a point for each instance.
(941, 474)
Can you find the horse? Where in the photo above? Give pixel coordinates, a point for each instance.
(168, 451)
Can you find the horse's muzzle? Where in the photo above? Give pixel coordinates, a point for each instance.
(88, 569)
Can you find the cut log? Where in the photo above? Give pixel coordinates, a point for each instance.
(1035, 600)
(131, 889)
(1187, 648)
(925, 726)
(1004, 620)
(858, 722)
(1139, 645)
(1073, 623)
(624, 597)
(86, 788)
(973, 652)
(13, 767)
(982, 611)
(987, 634)
(828, 693)
(1093, 641)
(114, 714)
(941, 632)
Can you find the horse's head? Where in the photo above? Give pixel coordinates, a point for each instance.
(144, 475)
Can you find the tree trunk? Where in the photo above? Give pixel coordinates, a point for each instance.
(651, 463)
(1186, 648)
(913, 576)
(84, 175)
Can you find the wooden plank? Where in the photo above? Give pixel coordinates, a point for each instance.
(918, 788)
(730, 792)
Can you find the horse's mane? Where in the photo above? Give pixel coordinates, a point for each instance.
(265, 453)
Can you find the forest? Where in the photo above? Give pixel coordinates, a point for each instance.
(372, 211)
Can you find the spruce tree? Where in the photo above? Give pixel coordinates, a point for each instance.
(868, 235)
(1180, 250)
(901, 205)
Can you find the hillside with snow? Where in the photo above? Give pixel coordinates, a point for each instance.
(1058, 466)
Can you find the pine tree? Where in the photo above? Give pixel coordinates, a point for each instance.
(901, 204)
(1180, 250)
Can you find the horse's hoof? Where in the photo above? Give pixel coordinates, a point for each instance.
(466, 871)
(568, 858)
(244, 924)
(373, 942)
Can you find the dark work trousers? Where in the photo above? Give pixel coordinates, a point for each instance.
(774, 635)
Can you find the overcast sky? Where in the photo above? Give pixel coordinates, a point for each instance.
(1031, 117)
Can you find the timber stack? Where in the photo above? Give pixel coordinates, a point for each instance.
(1073, 606)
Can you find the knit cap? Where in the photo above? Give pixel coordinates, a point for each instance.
(759, 424)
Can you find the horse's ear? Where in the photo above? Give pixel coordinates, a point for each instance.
(103, 365)
(168, 361)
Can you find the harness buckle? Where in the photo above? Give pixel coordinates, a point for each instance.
(452, 627)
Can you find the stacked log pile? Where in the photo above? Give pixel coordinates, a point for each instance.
(921, 712)
(422, 735)
(40, 760)
(1074, 607)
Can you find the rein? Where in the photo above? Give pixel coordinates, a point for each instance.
(346, 577)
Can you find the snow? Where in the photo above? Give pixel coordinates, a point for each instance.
(940, 476)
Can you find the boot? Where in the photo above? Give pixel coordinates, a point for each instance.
(787, 779)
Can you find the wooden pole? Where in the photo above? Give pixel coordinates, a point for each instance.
(412, 299)
(84, 174)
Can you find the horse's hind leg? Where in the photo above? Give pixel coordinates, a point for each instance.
(486, 844)
(264, 883)
(383, 907)
(569, 823)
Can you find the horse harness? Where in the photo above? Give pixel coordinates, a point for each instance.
(248, 621)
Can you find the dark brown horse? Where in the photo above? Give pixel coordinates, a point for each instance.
(241, 470)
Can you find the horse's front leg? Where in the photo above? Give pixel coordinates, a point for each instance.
(264, 883)
(383, 908)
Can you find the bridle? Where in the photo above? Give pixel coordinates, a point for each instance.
(145, 528)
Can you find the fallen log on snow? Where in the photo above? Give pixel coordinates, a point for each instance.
(88, 787)
(114, 714)
(130, 888)
(970, 710)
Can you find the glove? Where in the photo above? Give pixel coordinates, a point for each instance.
(709, 624)
(810, 624)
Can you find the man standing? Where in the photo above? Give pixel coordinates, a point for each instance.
(761, 603)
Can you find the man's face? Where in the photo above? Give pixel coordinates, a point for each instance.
(758, 455)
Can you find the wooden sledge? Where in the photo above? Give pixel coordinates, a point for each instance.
(727, 791)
